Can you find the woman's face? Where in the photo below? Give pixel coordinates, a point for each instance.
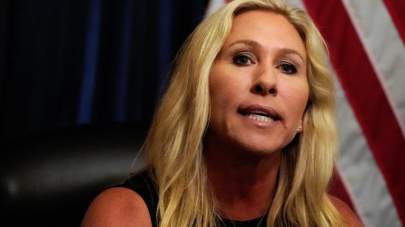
(258, 84)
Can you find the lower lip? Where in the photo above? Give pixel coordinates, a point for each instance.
(258, 123)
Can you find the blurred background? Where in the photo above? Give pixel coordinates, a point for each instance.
(87, 62)
(80, 79)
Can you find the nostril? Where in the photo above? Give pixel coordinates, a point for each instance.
(258, 89)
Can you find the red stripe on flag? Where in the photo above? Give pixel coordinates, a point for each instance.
(396, 8)
(364, 93)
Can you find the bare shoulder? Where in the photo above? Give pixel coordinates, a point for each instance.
(350, 218)
(117, 207)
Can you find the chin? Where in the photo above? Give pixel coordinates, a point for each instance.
(259, 143)
(260, 150)
(260, 146)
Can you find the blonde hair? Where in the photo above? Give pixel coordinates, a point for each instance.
(174, 145)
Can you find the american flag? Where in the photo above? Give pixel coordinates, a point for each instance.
(366, 43)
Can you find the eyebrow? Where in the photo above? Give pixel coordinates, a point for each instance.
(255, 45)
(246, 42)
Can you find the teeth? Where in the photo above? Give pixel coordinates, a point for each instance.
(257, 117)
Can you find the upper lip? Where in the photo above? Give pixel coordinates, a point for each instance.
(260, 109)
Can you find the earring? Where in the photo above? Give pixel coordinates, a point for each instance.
(299, 129)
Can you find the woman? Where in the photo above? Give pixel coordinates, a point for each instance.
(244, 135)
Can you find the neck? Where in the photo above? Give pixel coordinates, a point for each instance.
(243, 182)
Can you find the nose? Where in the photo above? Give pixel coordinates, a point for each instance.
(265, 82)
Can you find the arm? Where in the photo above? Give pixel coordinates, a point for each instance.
(117, 207)
(349, 217)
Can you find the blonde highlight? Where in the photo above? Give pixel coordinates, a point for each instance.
(174, 145)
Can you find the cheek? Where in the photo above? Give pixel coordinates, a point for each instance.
(225, 89)
(226, 93)
(296, 100)
(219, 97)
(301, 102)
(223, 98)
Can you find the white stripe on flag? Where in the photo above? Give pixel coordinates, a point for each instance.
(297, 3)
(214, 5)
(384, 48)
(359, 172)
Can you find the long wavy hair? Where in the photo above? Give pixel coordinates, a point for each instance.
(174, 145)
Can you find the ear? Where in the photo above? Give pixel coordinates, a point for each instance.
(300, 126)
(299, 129)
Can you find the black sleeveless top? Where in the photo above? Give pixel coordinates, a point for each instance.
(143, 184)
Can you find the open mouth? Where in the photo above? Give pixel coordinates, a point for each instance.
(259, 113)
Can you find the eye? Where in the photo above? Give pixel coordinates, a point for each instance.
(242, 59)
(287, 68)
